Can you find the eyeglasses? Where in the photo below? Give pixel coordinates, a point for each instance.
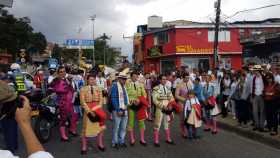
(61, 72)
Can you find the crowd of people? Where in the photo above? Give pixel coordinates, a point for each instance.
(250, 95)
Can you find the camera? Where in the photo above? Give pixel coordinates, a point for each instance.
(8, 109)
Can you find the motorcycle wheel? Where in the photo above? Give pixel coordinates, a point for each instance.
(43, 129)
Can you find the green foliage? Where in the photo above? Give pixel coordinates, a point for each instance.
(17, 33)
(154, 52)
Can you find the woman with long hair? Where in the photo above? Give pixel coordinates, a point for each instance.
(181, 95)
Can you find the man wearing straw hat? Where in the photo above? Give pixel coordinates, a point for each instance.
(120, 101)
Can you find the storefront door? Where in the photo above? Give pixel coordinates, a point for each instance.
(167, 65)
(200, 63)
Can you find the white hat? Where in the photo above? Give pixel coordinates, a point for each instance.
(256, 68)
(124, 73)
(15, 66)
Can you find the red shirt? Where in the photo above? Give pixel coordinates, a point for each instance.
(270, 91)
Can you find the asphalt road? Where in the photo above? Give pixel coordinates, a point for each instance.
(222, 145)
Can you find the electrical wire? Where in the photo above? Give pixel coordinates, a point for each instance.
(253, 9)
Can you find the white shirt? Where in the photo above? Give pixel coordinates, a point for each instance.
(39, 154)
(189, 103)
(259, 86)
(192, 76)
(216, 85)
(203, 83)
(249, 80)
(233, 87)
(168, 85)
(190, 84)
(101, 83)
(50, 79)
(227, 89)
(148, 84)
(176, 82)
(220, 74)
(277, 78)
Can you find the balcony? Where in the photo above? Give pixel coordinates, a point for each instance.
(260, 38)
(155, 51)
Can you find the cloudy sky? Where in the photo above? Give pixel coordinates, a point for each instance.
(61, 19)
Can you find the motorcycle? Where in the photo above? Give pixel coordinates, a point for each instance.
(45, 116)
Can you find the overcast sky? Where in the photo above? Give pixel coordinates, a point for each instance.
(61, 19)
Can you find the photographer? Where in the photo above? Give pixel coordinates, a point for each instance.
(8, 102)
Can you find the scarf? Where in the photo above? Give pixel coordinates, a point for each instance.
(121, 91)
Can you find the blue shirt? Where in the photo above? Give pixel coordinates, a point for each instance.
(208, 91)
(198, 90)
(115, 97)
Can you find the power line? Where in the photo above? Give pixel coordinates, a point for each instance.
(253, 9)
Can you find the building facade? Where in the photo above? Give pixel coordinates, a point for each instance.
(190, 44)
(262, 45)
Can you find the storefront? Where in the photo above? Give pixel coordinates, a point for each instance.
(168, 48)
(201, 63)
(167, 65)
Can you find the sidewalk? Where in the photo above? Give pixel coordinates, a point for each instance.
(231, 125)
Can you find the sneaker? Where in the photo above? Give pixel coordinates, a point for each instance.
(115, 146)
(123, 145)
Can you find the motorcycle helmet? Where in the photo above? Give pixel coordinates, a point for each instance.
(15, 66)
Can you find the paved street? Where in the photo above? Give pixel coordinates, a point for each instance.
(225, 144)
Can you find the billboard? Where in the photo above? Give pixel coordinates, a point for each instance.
(79, 44)
(6, 3)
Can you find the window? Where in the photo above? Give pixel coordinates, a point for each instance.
(241, 33)
(161, 38)
(256, 32)
(167, 65)
(224, 36)
(156, 41)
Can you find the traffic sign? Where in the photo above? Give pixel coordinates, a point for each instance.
(79, 44)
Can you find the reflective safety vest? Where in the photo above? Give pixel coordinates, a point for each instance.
(20, 85)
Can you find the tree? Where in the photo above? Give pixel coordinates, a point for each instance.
(101, 46)
(38, 41)
(17, 33)
(56, 52)
(111, 54)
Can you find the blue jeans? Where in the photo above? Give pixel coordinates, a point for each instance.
(119, 128)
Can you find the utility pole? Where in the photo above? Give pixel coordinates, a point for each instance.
(92, 18)
(217, 27)
(80, 47)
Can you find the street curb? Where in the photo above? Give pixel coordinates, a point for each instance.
(251, 135)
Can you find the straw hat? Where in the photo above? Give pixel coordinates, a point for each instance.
(124, 73)
(7, 93)
(256, 68)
